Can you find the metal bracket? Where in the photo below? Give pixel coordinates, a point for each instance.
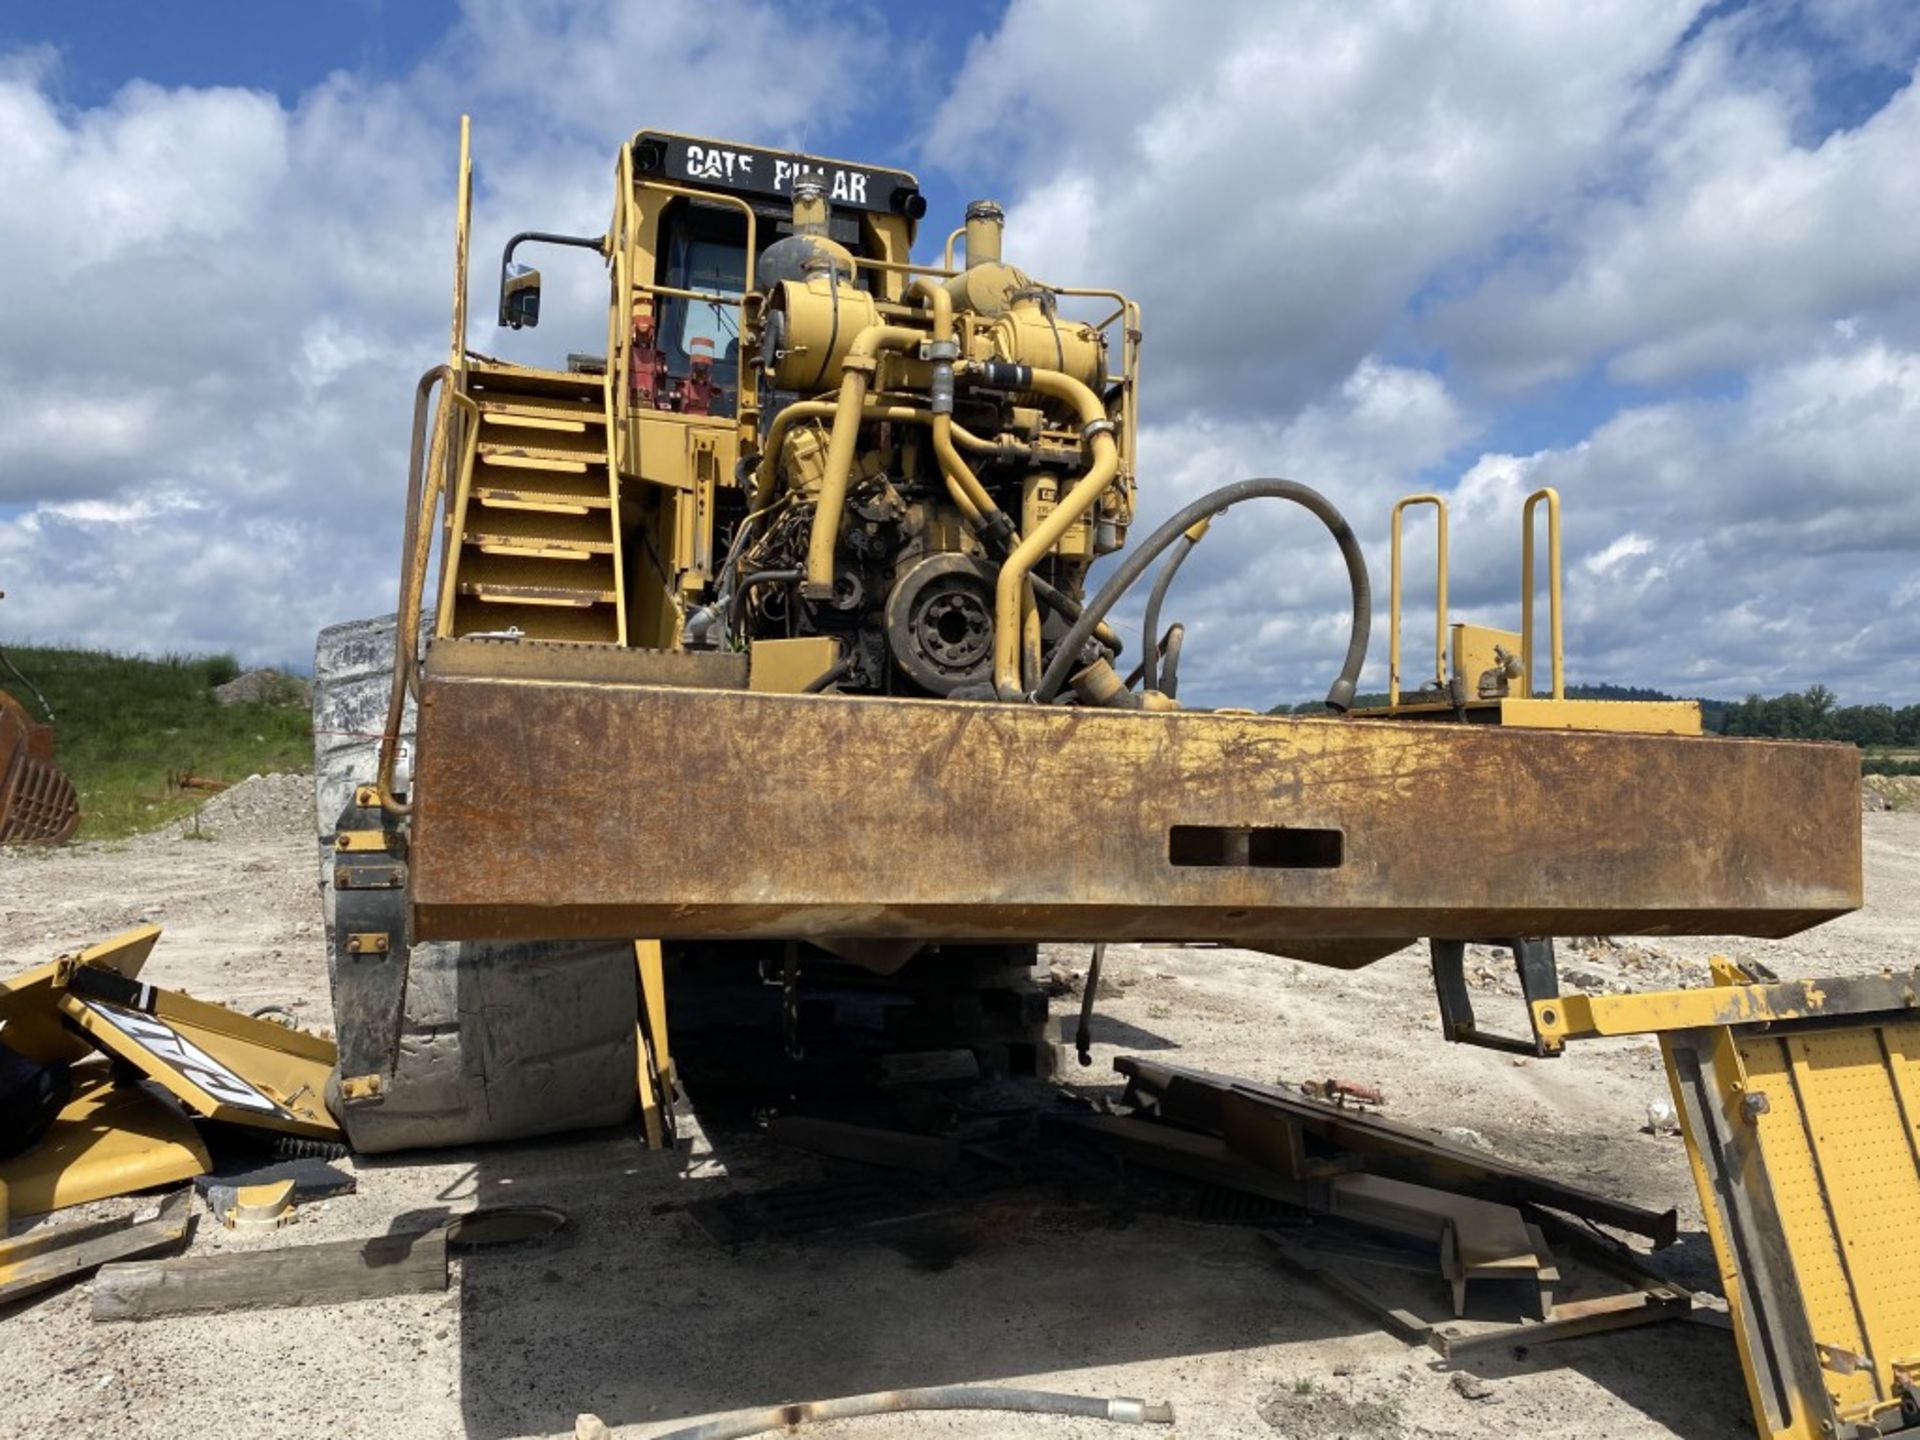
(369, 949)
(1539, 980)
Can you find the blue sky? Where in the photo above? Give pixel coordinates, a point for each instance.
(1664, 256)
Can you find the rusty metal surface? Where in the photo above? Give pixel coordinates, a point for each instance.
(38, 805)
(610, 811)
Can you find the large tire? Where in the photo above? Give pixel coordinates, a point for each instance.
(499, 1041)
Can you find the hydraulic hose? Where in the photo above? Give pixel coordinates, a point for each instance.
(742, 1423)
(749, 583)
(1169, 685)
(1150, 627)
(1067, 659)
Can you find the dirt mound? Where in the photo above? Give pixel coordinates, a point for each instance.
(258, 807)
(1889, 792)
(263, 687)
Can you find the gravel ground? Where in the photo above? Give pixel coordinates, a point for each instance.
(635, 1314)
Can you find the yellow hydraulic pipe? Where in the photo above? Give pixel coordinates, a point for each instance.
(1030, 639)
(1439, 598)
(857, 374)
(970, 441)
(1008, 593)
(958, 473)
(1552, 497)
(766, 472)
(966, 507)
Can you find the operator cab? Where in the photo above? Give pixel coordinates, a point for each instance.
(703, 247)
(687, 344)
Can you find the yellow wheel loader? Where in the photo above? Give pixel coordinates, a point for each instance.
(762, 640)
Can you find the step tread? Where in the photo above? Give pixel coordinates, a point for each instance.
(580, 532)
(514, 455)
(506, 409)
(501, 381)
(539, 502)
(593, 575)
(524, 594)
(565, 624)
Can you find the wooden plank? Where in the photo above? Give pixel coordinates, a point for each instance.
(327, 1274)
(46, 1257)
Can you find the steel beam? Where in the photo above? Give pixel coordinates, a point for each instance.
(603, 810)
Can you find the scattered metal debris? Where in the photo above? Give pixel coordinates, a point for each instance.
(1197, 1100)
(1340, 1092)
(91, 1029)
(252, 1207)
(312, 1179)
(741, 1423)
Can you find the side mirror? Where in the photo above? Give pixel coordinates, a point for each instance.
(519, 296)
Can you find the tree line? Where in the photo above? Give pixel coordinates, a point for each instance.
(1816, 714)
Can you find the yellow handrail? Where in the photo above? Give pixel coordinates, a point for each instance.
(1552, 497)
(462, 229)
(425, 485)
(456, 507)
(1439, 599)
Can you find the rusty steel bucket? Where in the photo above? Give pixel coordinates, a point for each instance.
(38, 805)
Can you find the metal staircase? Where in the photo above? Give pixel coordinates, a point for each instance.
(537, 523)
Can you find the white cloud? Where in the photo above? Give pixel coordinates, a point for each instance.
(1355, 231)
(1724, 239)
(218, 301)
(1276, 182)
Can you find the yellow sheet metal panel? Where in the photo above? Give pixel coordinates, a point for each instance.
(107, 1140)
(787, 667)
(1474, 654)
(1641, 717)
(1863, 1147)
(1576, 1017)
(28, 1001)
(219, 1063)
(1807, 1223)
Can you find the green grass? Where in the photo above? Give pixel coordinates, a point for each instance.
(126, 726)
(1890, 760)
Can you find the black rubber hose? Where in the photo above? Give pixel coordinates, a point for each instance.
(1135, 675)
(1170, 666)
(839, 671)
(1056, 600)
(749, 583)
(1083, 1033)
(1066, 657)
(1150, 627)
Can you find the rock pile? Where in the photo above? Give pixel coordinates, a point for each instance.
(258, 807)
(263, 687)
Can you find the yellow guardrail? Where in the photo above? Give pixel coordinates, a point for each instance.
(1552, 497)
(1439, 600)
